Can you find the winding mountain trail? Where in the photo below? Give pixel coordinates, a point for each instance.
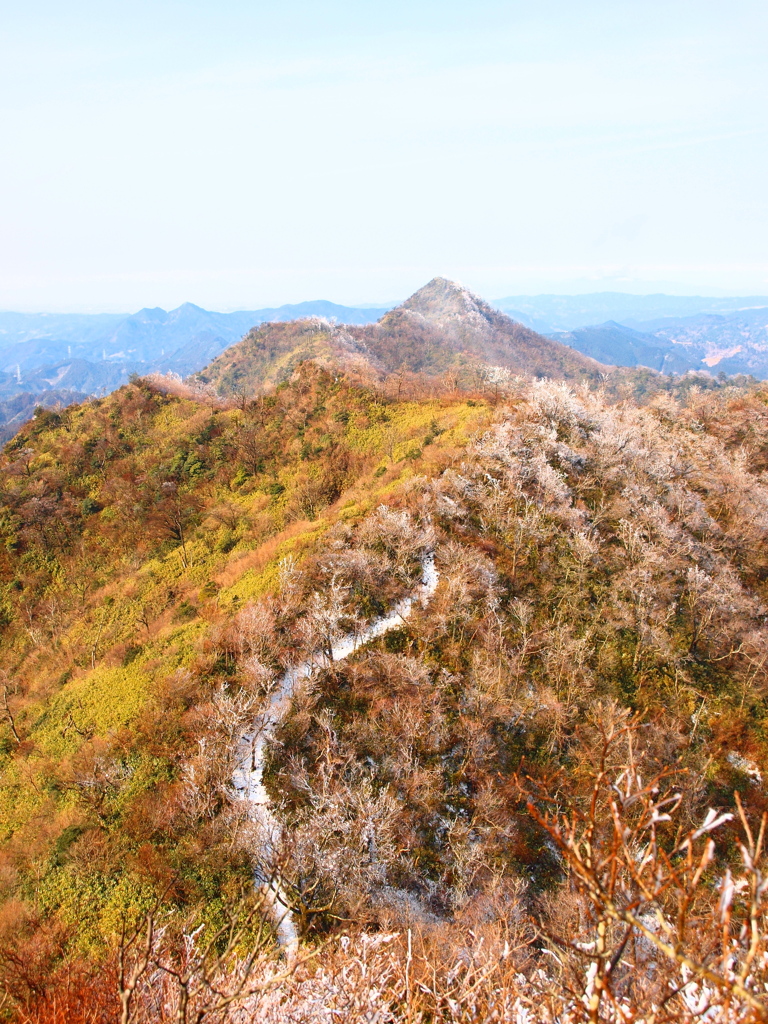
(248, 777)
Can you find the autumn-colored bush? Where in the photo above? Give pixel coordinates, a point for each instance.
(165, 559)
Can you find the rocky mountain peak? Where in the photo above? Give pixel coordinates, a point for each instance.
(442, 301)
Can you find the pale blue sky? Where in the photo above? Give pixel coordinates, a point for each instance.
(241, 154)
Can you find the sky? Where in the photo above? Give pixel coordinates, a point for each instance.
(241, 153)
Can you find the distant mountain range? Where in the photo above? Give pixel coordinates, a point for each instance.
(95, 353)
(49, 358)
(709, 342)
(669, 333)
(58, 358)
(554, 313)
(182, 340)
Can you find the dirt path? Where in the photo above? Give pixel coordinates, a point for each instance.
(248, 777)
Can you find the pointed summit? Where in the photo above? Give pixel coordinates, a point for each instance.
(446, 324)
(442, 328)
(442, 300)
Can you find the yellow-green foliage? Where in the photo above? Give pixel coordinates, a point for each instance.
(402, 428)
(141, 523)
(593, 561)
(96, 703)
(97, 909)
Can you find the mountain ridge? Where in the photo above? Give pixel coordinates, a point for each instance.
(550, 313)
(78, 355)
(94, 354)
(441, 329)
(597, 613)
(735, 343)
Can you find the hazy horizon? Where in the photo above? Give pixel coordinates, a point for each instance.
(388, 304)
(245, 155)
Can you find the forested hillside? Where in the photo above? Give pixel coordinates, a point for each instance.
(57, 360)
(443, 333)
(499, 809)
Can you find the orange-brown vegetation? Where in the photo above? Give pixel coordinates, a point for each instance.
(441, 339)
(493, 812)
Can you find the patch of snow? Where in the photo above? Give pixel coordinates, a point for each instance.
(248, 776)
(743, 764)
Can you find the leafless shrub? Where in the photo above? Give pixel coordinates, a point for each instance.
(172, 384)
(642, 931)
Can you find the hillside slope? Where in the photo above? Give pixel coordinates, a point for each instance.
(708, 343)
(733, 343)
(619, 345)
(166, 557)
(442, 331)
(61, 358)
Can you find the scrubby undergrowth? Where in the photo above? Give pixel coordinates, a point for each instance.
(603, 573)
